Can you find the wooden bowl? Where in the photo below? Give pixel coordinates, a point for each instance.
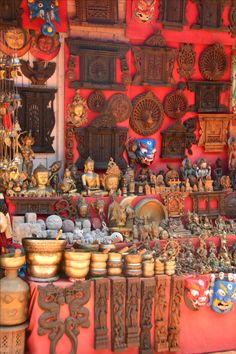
(77, 256)
(99, 257)
(76, 273)
(133, 258)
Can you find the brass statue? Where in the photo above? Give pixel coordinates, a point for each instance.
(27, 154)
(91, 180)
(41, 183)
(78, 111)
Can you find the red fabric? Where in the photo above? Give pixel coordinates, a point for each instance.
(37, 23)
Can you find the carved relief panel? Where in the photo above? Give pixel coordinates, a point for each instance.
(97, 11)
(232, 18)
(132, 307)
(10, 14)
(186, 60)
(172, 13)
(98, 64)
(154, 62)
(209, 14)
(147, 295)
(37, 115)
(101, 293)
(174, 203)
(214, 129)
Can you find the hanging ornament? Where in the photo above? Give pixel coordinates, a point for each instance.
(48, 11)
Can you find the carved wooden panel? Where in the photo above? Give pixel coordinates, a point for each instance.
(232, 18)
(154, 62)
(207, 96)
(172, 13)
(10, 14)
(210, 14)
(176, 104)
(39, 73)
(118, 291)
(41, 206)
(37, 115)
(96, 101)
(101, 140)
(213, 62)
(174, 203)
(177, 291)
(147, 295)
(101, 293)
(203, 203)
(96, 11)
(98, 63)
(230, 205)
(120, 106)
(186, 60)
(161, 322)
(69, 145)
(147, 115)
(214, 129)
(132, 307)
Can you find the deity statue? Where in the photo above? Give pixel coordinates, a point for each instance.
(68, 184)
(202, 169)
(27, 154)
(78, 111)
(91, 180)
(218, 173)
(232, 154)
(54, 174)
(41, 182)
(83, 210)
(112, 177)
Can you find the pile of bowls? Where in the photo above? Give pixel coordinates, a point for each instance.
(98, 264)
(133, 265)
(76, 264)
(159, 267)
(114, 264)
(43, 257)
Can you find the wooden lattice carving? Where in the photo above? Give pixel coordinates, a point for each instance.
(186, 60)
(120, 107)
(96, 101)
(96, 11)
(213, 62)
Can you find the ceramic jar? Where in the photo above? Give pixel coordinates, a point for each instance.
(76, 264)
(14, 292)
(98, 265)
(114, 264)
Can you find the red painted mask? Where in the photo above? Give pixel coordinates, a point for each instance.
(196, 293)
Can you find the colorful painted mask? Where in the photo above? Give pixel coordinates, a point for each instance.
(196, 293)
(48, 11)
(146, 151)
(144, 10)
(222, 293)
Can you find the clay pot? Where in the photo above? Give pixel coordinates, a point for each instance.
(148, 269)
(159, 267)
(14, 292)
(170, 267)
(98, 265)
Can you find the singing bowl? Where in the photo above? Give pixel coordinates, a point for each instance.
(77, 256)
(12, 262)
(133, 258)
(114, 271)
(43, 245)
(77, 264)
(43, 271)
(43, 259)
(76, 273)
(98, 265)
(99, 257)
(112, 256)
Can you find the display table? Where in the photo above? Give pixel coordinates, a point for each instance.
(201, 331)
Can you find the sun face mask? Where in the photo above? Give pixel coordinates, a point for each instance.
(196, 292)
(222, 293)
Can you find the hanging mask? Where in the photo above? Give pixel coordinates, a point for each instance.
(146, 151)
(46, 10)
(144, 10)
(222, 293)
(196, 292)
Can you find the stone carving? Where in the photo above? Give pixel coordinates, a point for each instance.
(176, 103)
(120, 107)
(186, 60)
(154, 62)
(97, 101)
(213, 62)
(161, 323)
(101, 293)
(77, 111)
(96, 12)
(232, 18)
(147, 294)
(214, 130)
(177, 291)
(207, 96)
(118, 291)
(209, 14)
(172, 14)
(69, 145)
(10, 14)
(39, 73)
(132, 306)
(147, 114)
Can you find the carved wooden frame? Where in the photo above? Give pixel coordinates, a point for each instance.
(214, 6)
(14, 20)
(169, 20)
(198, 197)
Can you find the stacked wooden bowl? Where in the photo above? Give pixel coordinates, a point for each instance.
(159, 267)
(114, 264)
(133, 265)
(98, 265)
(76, 264)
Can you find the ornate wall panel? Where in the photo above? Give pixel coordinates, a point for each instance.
(206, 209)
(132, 307)
(210, 14)
(213, 62)
(186, 60)
(96, 11)
(172, 13)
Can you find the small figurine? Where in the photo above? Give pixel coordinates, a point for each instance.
(83, 210)
(232, 153)
(226, 183)
(91, 180)
(27, 154)
(202, 169)
(218, 173)
(54, 174)
(209, 184)
(188, 172)
(78, 111)
(68, 183)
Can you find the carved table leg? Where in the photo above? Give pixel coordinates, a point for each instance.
(132, 298)
(101, 293)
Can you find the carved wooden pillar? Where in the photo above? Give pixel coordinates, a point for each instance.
(132, 303)
(69, 143)
(177, 291)
(118, 291)
(147, 294)
(101, 293)
(161, 322)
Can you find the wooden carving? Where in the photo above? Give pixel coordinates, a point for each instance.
(97, 101)
(213, 62)
(207, 96)
(154, 62)
(214, 129)
(77, 111)
(172, 13)
(69, 145)
(147, 294)
(10, 14)
(232, 18)
(176, 103)
(101, 140)
(174, 203)
(66, 208)
(98, 64)
(39, 73)
(177, 291)
(37, 115)
(118, 291)
(203, 201)
(132, 306)
(210, 14)
(96, 11)
(230, 205)
(147, 114)
(101, 293)
(120, 107)
(186, 60)
(41, 206)
(161, 322)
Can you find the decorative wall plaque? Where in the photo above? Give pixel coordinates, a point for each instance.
(172, 13)
(174, 203)
(210, 14)
(101, 140)
(97, 101)
(77, 111)
(147, 295)
(144, 10)
(132, 306)
(10, 14)
(45, 47)
(39, 73)
(208, 204)
(37, 115)
(147, 114)
(15, 42)
(177, 291)
(120, 107)
(101, 293)
(186, 60)
(213, 62)
(176, 103)
(232, 18)
(118, 291)
(214, 129)
(230, 205)
(207, 96)
(98, 63)
(154, 62)
(41, 206)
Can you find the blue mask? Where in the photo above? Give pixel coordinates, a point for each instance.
(48, 11)
(146, 151)
(223, 294)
